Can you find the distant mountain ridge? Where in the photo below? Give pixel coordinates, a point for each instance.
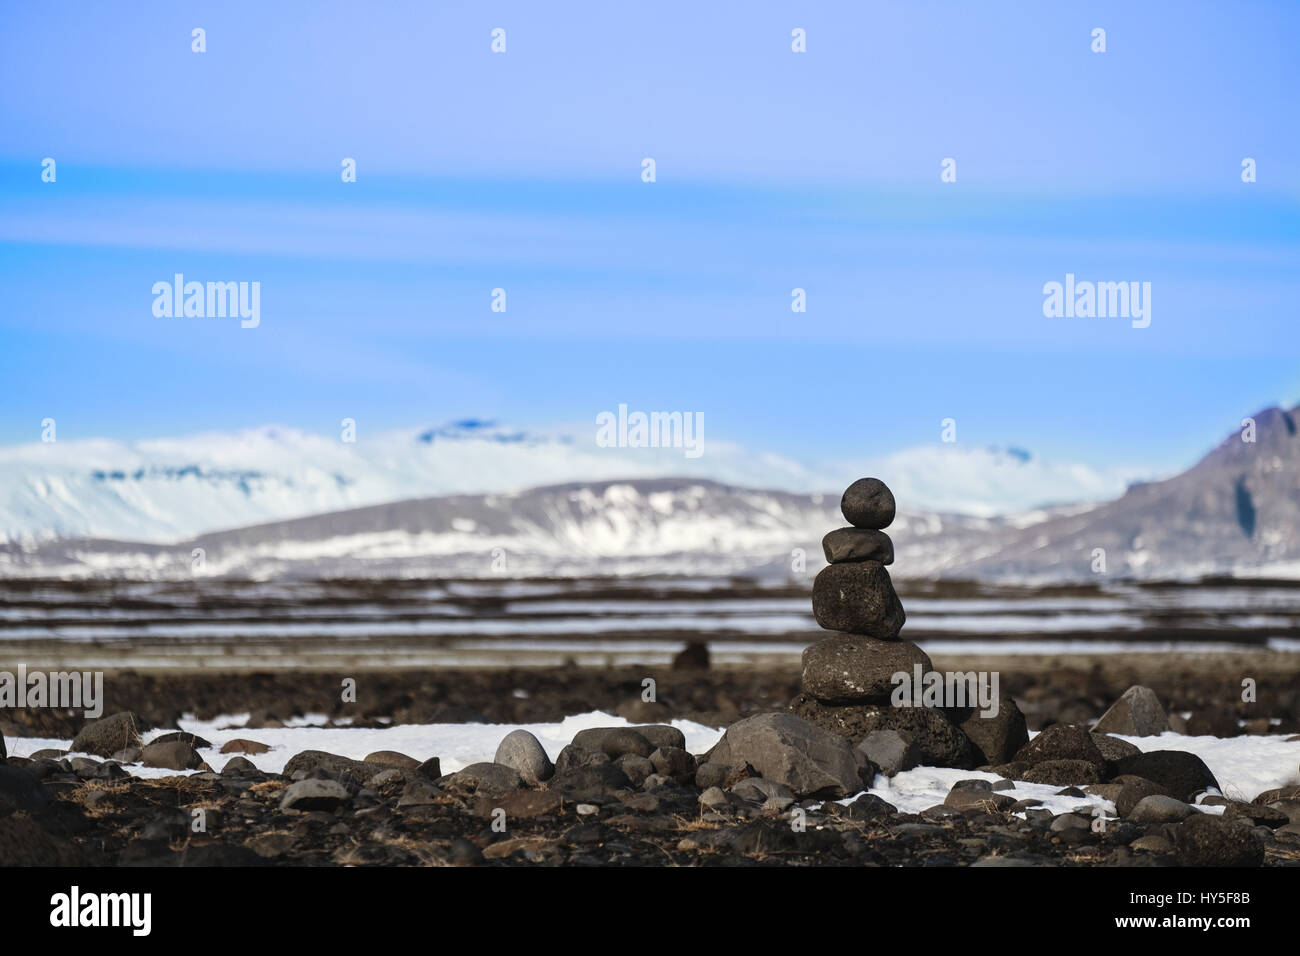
(168, 490)
(1236, 512)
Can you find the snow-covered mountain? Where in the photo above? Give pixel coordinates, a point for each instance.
(169, 490)
(1235, 512)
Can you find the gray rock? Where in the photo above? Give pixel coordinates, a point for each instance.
(893, 751)
(781, 747)
(315, 795)
(574, 758)
(418, 793)
(674, 762)
(711, 774)
(589, 784)
(857, 544)
(614, 742)
(758, 790)
(1137, 713)
(661, 735)
(1205, 840)
(239, 767)
(851, 669)
(1158, 808)
(997, 738)
(938, 743)
(107, 736)
(1152, 843)
(858, 598)
(357, 771)
(194, 740)
(714, 797)
(1070, 821)
(1181, 774)
(523, 752)
(981, 799)
(868, 503)
(636, 768)
(171, 755)
(486, 778)
(1133, 790)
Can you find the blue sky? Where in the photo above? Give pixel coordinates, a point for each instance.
(775, 170)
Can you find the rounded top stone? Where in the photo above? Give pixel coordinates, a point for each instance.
(868, 503)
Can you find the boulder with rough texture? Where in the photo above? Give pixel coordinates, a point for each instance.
(523, 752)
(868, 503)
(1205, 840)
(1137, 713)
(1063, 773)
(1182, 774)
(857, 544)
(614, 742)
(392, 758)
(858, 598)
(850, 669)
(938, 743)
(107, 736)
(783, 748)
(1062, 742)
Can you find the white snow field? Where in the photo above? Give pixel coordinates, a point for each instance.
(1244, 766)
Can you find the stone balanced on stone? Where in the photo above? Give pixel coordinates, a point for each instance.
(847, 679)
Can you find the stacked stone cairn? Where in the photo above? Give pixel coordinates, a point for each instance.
(848, 679)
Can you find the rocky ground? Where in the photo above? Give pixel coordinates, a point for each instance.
(766, 795)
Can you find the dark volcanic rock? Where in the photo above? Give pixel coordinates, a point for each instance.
(938, 743)
(1182, 774)
(868, 503)
(585, 784)
(21, 790)
(996, 739)
(893, 751)
(857, 544)
(486, 777)
(357, 771)
(614, 742)
(1062, 742)
(105, 737)
(194, 740)
(850, 668)
(858, 598)
(24, 843)
(1204, 840)
(781, 747)
(1114, 749)
(1063, 773)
